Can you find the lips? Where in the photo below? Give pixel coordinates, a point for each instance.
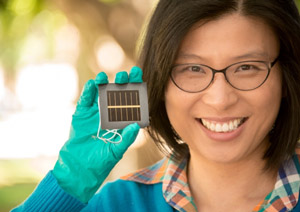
(222, 127)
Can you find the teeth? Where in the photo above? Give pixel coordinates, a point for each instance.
(218, 128)
(222, 127)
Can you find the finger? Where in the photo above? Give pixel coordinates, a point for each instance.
(129, 135)
(136, 75)
(88, 94)
(121, 77)
(101, 79)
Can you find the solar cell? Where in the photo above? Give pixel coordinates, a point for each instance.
(123, 104)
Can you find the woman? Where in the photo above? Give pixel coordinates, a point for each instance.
(223, 81)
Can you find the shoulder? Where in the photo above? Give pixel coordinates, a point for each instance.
(131, 188)
(123, 195)
(142, 190)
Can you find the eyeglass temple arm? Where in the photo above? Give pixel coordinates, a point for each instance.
(274, 62)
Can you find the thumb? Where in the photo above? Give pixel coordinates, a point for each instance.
(129, 135)
(88, 94)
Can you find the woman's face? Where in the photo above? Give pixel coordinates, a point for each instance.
(218, 44)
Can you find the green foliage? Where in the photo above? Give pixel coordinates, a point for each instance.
(15, 19)
(10, 172)
(17, 181)
(109, 1)
(21, 7)
(11, 196)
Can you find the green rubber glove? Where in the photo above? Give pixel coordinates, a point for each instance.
(85, 161)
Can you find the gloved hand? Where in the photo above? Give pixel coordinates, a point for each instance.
(85, 161)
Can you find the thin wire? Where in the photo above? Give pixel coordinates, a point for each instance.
(114, 132)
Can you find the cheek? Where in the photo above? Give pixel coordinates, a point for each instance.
(268, 110)
(177, 104)
(268, 98)
(179, 107)
(274, 95)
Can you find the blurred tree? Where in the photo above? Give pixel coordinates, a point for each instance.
(15, 19)
(119, 19)
(95, 18)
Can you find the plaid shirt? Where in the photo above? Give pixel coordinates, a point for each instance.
(176, 190)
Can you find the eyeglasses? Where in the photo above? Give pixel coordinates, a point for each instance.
(244, 76)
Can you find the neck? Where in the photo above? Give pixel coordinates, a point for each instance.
(242, 182)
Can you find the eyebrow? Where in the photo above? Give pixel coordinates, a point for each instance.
(239, 57)
(184, 55)
(253, 54)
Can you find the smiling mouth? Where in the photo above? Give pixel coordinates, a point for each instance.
(223, 127)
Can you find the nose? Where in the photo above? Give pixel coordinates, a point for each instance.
(220, 94)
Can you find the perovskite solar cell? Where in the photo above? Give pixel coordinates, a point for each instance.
(121, 105)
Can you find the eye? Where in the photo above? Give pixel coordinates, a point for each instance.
(246, 67)
(190, 69)
(195, 68)
(250, 67)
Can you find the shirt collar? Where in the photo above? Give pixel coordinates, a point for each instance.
(176, 191)
(173, 177)
(285, 194)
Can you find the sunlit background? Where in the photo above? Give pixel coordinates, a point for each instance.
(49, 49)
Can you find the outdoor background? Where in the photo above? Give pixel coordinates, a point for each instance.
(48, 50)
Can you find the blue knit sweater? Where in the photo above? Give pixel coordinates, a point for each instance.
(118, 196)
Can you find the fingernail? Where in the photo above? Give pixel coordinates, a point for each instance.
(136, 75)
(101, 78)
(121, 77)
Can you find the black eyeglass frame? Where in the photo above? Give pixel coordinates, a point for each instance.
(268, 64)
